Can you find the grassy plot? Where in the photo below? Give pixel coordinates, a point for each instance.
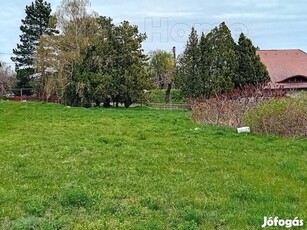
(74, 168)
(158, 96)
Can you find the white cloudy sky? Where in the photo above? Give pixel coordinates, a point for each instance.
(271, 24)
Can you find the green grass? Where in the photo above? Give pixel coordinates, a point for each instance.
(75, 168)
(158, 96)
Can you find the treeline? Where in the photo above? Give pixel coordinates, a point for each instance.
(80, 56)
(84, 59)
(216, 64)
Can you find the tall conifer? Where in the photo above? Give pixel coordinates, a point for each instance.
(188, 78)
(35, 24)
(251, 70)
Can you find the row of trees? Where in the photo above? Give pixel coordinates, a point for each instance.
(80, 56)
(83, 58)
(215, 64)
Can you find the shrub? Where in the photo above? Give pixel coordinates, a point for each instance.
(303, 95)
(286, 117)
(228, 109)
(218, 111)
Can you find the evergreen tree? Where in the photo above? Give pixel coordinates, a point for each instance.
(129, 78)
(217, 64)
(36, 23)
(112, 68)
(251, 70)
(204, 66)
(222, 63)
(188, 78)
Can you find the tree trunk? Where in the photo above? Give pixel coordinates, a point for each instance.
(107, 103)
(128, 103)
(168, 93)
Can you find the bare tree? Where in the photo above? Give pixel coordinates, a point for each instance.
(7, 79)
(57, 55)
(77, 24)
(162, 67)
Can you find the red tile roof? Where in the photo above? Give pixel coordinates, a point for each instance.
(285, 66)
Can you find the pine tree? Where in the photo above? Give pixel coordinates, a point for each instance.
(204, 66)
(129, 76)
(188, 78)
(35, 24)
(251, 70)
(222, 61)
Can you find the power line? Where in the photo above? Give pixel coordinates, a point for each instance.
(6, 53)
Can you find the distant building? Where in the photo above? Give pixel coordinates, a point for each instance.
(287, 68)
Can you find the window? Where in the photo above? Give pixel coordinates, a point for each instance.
(296, 79)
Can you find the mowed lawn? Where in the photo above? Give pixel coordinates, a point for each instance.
(140, 168)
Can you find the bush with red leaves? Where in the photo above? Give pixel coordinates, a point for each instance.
(228, 109)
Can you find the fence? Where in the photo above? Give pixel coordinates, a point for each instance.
(58, 100)
(33, 98)
(168, 106)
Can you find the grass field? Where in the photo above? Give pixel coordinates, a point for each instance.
(75, 168)
(158, 96)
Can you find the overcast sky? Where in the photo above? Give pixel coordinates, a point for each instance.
(271, 24)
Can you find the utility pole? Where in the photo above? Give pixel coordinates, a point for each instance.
(174, 53)
(168, 96)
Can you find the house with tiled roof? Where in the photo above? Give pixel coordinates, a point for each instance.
(287, 68)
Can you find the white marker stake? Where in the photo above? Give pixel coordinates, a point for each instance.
(244, 130)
